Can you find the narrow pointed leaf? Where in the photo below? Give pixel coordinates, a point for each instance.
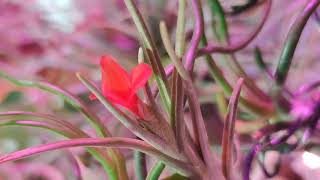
(156, 171)
(19, 117)
(64, 128)
(228, 131)
(98, 142)
(291, 42)
(67, 96)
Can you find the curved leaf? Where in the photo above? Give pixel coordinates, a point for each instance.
(45, 120)
(61, 127)
(228, 130)
(67, 96)
(115, 142)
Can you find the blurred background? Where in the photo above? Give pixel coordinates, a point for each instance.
(51, 40)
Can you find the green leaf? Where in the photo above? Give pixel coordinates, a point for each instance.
(176, 177)
(13, 97)
(156, 171)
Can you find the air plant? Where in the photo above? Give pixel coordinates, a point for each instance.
(152, 101)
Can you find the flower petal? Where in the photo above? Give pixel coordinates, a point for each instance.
(114, 78)
(92, 97)
(139, 76)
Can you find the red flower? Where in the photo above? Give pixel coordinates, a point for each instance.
(119, 86)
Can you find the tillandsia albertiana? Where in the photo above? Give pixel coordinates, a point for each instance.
(161, 125)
